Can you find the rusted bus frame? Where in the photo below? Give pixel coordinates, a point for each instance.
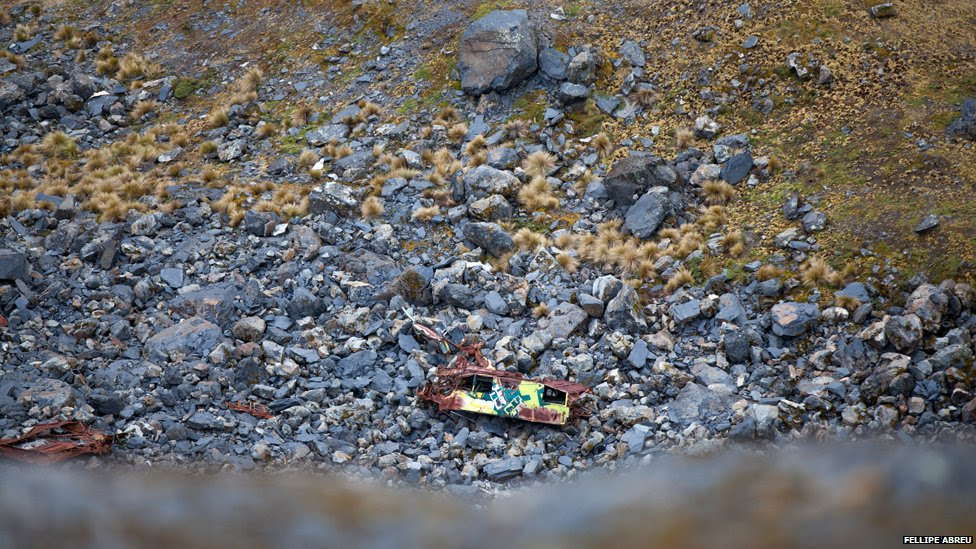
(75, 439)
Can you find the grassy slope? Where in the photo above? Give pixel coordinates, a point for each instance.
(905, 74)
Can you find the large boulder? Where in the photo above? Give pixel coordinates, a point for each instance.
(647, 214)
(497, 52)
(332, 197)
(929, 304)
(485, 181)
(634, 175)
(13, 265)
(624, 313)
(193, 336)
(490, 237)
(792, 319)
(566, 319)
(965, 125)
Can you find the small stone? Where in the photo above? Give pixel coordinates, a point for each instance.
(930, 222)
(249, 328)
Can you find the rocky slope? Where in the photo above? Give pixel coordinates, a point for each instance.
(176, 241)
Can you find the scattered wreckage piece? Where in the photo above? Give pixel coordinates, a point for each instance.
(253, 408)
(55, 442)
(471, 383)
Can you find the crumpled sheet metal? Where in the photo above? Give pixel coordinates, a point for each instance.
(54, 442)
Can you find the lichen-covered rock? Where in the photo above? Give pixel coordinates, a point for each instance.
(497, 52)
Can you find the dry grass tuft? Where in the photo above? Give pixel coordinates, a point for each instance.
(774, 165)
(208, 147)
(680, 278)
(683, 138)
(731, 239)
(527, 240)
(602, 145)
(266, 130)
(458, 131)
(540, 310)
(567, 262)
(217, 118)
(426, 213)
(646, 97)
(251, 80)
(712, 218)
(142, 108)
(371, 208)
(59, 145)
(518, 128)
(537, 195)
(768, 272)
(368, 108)
(447, 116)
(134, 66)
(23, 33)
(817, 271)
(476, 145)
(300, 116)
(848, 302)
(307, 158)
(717, 192)
(64, 33)
(539, 163)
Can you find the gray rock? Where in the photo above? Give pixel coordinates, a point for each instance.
(260, 223)
(172, 276)
(646, 215)
(490, 208)
(632, 52)
(193, 336)
(930, 222)
(814, 221)
(13, 265)
(46, 392)
(591, 304)
(606, 287)
(964, 126)
(623, 312)
(552, 63)
(501, 470)
(882, 11)
(929, 304)
(497, 52)
(737, 168)
(324, 134)
(205, 421)
(485, 180)
(750, 42)
(249, 328)
(791, 319)
(738, 347)
(332, 197)
(566, 319)
(214, 303)
(496, 303)
(170, 155)
(695, 403)
(502, 158)
(638, 354)
(490, 237)
(569, 92)
(357, 364)
(582, 68)
(231, 150)
(686, 312)
(904, 332)
(303, 304)
(631, 177)
(857, 290)
(710, 375)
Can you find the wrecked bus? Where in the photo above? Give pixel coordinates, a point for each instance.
(470, 383)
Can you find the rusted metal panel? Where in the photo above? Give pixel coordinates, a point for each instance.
(253, 408)
(54, 442)
(510, 395)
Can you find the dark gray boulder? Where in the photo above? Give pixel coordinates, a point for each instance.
(634, 175)
(647, 214)
(489, 237)
(497, 52)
